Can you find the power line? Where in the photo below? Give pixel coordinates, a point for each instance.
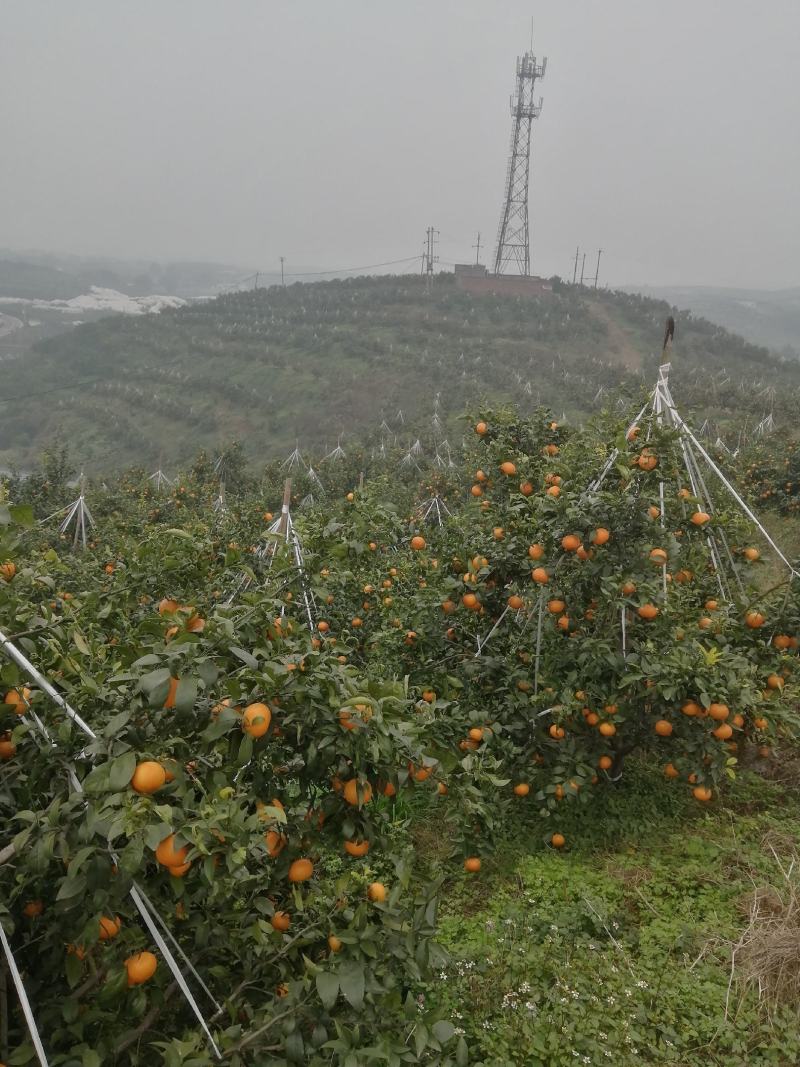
(344, 270)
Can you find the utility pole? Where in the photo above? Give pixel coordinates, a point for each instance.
(477, 246)
(583, 264)
(429, 257)
(575, 271)
(257, 274)
(283, 282)
(597, 269)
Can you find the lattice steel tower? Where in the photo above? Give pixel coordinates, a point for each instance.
(513, 253)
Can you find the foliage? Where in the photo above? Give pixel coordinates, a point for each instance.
(441, 686)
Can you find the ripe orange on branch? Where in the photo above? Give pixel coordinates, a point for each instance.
(140, 968)
(256, 719)
(148, 777)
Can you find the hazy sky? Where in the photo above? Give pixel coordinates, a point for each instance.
(333, 132)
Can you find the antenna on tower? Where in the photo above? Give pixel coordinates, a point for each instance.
(513, 238)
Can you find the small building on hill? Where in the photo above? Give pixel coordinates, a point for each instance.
(475, 279)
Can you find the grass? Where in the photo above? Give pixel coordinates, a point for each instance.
(618, 950)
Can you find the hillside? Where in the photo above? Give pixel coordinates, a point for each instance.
(763, 316)
(312, 362)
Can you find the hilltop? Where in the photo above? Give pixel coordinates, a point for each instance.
(314, 361)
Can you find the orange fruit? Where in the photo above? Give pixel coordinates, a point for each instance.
(751, 554)
(481, 428)
(508, 468)
(605, 763)
(301, 870)
(418, 543)
(555, 607)
(670, 771)
(169, 856)
(275, 843)
(723, 732)
(701, 793)
(647, 612)
(658, 555)
(700, 518)
(571, 543)
(173, 689)
(356, 848)
(607, 729)
(357, 792)
(663, 728)
(720, 712)
(473, 864)
(521, 789)
(180, 870)
(558, 840)
(540, 575)
(140, 967)
(536, 551)
(280, 921)
(557, 732)
(167, 606)
(600, 536)
(148, 777)
(18, 699)
(691, 708)
(7, 570)
(109, 928)
(376, 892)
(256, 719)
(754, 619)
(33, 909)
(334, 943)
(774, 681)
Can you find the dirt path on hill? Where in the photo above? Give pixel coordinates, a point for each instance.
(620, 346)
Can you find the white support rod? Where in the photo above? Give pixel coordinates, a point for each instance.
(172, 963)
(23, 998)
(151, 907)
(25, 664)
(742, 504)
(482, 644)
(539, 623)
(36, 675)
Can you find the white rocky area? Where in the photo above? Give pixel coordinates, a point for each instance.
(102, 300)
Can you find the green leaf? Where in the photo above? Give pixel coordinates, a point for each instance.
(71, 887)
(443, 1031)
(462, 1053)
(352, 982)
(245, 657)
(80, 642)
(121, 771)
(328, 988)
(21, 514)
(186, 694)
(245, 753)
(116, 723)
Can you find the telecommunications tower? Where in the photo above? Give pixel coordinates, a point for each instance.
(513, 254)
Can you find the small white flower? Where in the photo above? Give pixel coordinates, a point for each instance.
(613, 969)
(458, 1032)
(611, 999)
(586, 1059)
(602, 1036)
(562, 1000)
(642, 984)
(628, 992)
